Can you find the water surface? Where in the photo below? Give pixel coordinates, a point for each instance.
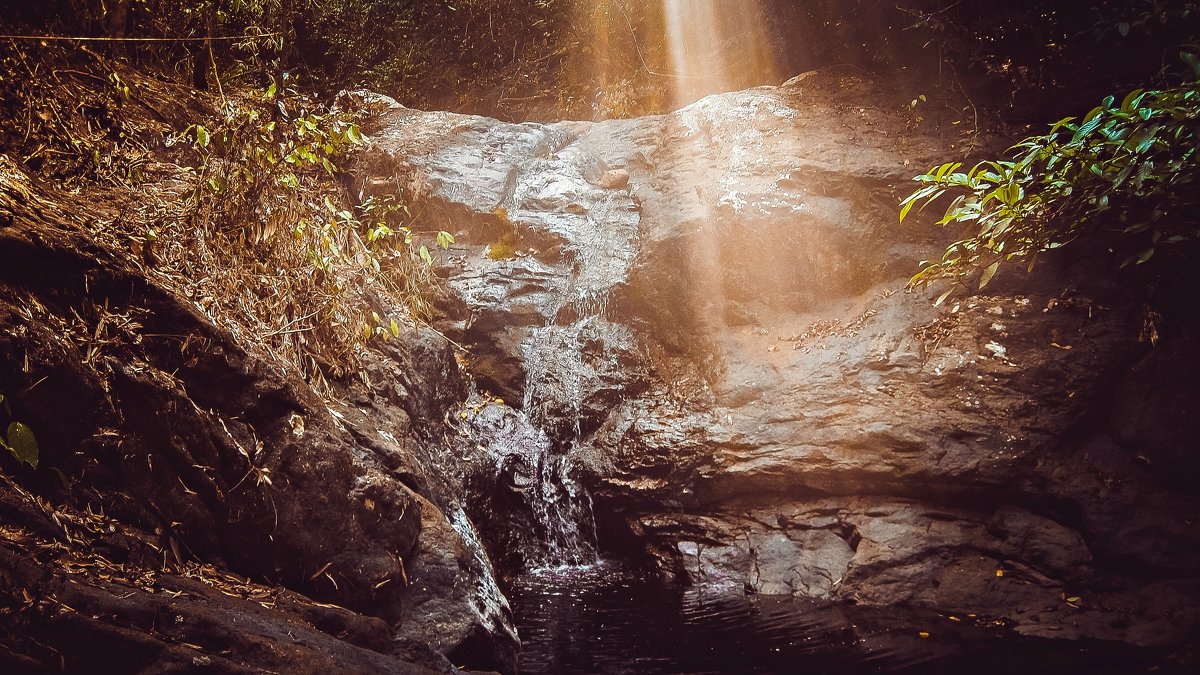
(607, 619)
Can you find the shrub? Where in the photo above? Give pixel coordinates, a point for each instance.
(1126, 171)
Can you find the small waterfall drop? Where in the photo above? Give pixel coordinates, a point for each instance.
(555, 385)
(547, 513)
(568, 362)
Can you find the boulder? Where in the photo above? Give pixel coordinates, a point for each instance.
(204, 451)
(725, 350)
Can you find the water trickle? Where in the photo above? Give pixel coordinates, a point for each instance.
(601, 255)
(560, 361)
(565, 509)
(554, 390)
(575, 363)
(557, 529)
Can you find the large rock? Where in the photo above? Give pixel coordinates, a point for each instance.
(720, 343)
(149, 413)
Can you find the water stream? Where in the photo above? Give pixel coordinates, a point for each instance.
(559, 376)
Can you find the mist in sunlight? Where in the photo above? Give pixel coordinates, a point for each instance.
(715, 47)
(651, 56)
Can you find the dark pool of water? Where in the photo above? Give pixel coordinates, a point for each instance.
(605, 619)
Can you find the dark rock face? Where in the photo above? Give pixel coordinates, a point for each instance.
(207, 453)
(718, 344)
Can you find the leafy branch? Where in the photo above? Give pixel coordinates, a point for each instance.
(1126, 169)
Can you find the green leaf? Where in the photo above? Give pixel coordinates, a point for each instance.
(1060, 124)
(946, 169)
(1132, 99)
(23, 444)
(1193, 62)
(988, 273)
(444, 239)
(942, 297)
(1088, 127)
(425, 255)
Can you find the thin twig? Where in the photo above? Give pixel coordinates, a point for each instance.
(66, 38)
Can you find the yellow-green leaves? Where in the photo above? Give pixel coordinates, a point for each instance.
(22, 443)
(200, 136)
(988, 273)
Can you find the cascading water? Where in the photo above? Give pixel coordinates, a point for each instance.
(560, 530)
(564, 369)
(570, 358)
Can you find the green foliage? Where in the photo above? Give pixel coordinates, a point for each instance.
(264, 180)
(261, 144)
(1127, 170)
(20, 441)
(276, 243)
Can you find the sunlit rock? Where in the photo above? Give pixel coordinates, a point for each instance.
(722, 351)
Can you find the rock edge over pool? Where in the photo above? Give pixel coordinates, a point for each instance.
(721, 342)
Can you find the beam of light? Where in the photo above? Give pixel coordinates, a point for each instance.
(716, 47)
(620, 56)
(676, 52)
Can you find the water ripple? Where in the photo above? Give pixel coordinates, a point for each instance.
(603, 618)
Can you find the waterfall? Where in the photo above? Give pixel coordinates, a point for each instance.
(572, 359)
(560, 359)
(551, 521)
(565, 510)
(555, 385)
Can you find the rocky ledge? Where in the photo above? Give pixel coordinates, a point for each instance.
(198, 507)
(705, 314)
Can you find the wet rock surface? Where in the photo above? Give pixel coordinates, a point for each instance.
(704, 312)
(686, 340)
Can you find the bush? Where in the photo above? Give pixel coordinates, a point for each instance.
(1126, 171)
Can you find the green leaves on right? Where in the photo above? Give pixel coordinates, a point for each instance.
(1126, 171)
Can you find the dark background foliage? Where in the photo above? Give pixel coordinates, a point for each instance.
(541, 59)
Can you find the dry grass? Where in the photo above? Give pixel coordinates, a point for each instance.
(273, 265)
